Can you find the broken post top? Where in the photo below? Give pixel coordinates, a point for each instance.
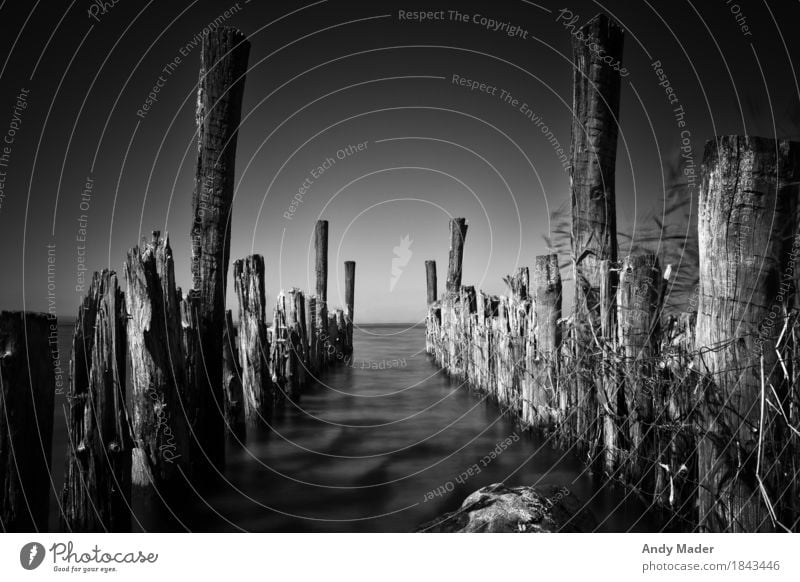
(458, 232)
(601, 39)
(225, 42)
(735, 147)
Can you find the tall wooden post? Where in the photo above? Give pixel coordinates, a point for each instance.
(27, 389)
(596, 93)
(321, 246)
(323, 337)
(97, 485)
(430, 275)
(595, 103)
(257, 387)
(161, 426)
(747, 210)
(639, 312)
(224, 57)
(458, 232)
(349, 298)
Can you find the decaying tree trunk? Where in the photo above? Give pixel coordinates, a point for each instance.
(222, 75)
(747, 206)
(596, 93)
(161, 456)
(458, 232)
(430, 274)
(27, 389)
(97, 485)
(257, 387)
(638, 313)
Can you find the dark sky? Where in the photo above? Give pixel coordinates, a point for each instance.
(328, 75)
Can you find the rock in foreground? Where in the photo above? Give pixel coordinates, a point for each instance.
(498, 508)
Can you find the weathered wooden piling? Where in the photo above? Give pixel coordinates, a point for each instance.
(161, 430)
(258, 390)
(430, 275)
(349, 299)
(747, 210)
(321, 247)
(27, 389)
(97, 486)
(224, 55)
(596, 95)
(458, 233)
(232, 378)
(321, 268)
(542, 401)
(595, 123)
(312, 328)
(296, 338)
(638, 300)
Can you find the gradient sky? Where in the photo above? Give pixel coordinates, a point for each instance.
(328, 75)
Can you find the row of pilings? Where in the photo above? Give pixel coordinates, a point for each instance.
(160, 379)
(697, 411)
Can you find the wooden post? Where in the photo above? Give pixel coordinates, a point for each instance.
(610, 398)
(296, 337)
(349, 297)
(313, 328)
(232, 378)
(27, 389)
(596, 91)
(546, 290)
(747, 209)
(458, 232)
(257, 389)
(638, 312)
(161, 430)
(322, 332)
(279, 353)
(321, 246)
(430, 272)
(224, 55)
(97, 484)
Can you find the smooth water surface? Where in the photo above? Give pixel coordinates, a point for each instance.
(364, 449)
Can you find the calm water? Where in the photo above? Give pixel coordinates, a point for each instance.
(360, 452)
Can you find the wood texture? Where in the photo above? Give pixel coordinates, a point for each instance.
(160, 419)
(97, 485)
(458, 234)
(224, 55)
(748, 201)
(258, 390)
